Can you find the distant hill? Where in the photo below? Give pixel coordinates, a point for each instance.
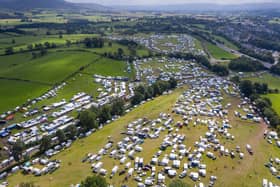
(29, 4)
(202, 7)
(48, 4)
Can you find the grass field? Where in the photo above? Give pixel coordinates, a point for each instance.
(72, 164)
(226, 42)
(79, 83)
(5, 22)
(273, 81)
(108, 67)
(274, 21)
(219, 53)
(198, 44)
(275, 99)
(14, 93)
(11, 61)
(51, 68)
(21, 42)
(230, 172)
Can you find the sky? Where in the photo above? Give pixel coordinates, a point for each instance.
(166, 2)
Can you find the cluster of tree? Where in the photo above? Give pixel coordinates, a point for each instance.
(42, 48)
(265, 44)
(94, 181)
(69, 28)
(129, 43)
(88, 120)
(262, 56)
(245, 64)
(144, 92)
(264, 105)
(202, 60)
(118, 55)
(41, 53)
(189, 56)
(45, 143)
(248, 88)
(276, 69)
(17, 150)
(26, 19)
(253, 91)
(9, 51)
(62, 135)
(91, 119)
(39, 46)
(220, 70)
(93, 42)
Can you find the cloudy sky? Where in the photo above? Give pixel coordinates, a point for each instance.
(166, 2)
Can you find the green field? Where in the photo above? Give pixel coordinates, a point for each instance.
(226, 42)
(21, 42)
(219, 53)
(6, 22)
(72, 164)
(198, 44)
(108, 67)
(275, 99)
(43, 72)
(51, 68)
(15, 93)
(79, 83)
(11, 61)
(230, 172)
(274, 21)
(273, 81)
(60, 63)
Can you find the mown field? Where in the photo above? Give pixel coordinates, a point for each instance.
(219, 53)
(14, 93)
(21, 42)
(51, 68)
(108, 67)
(273, 82)
(230, 172)
(226, 42)
(275, 99)
(56, 66)
(73, 166)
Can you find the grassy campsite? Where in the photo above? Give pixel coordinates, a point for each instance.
(238, 170)
(137, 98)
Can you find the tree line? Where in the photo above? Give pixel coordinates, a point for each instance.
(88, 120)
(93, 42)
(41, 47)
(99, 181)
(265, 56)
(245, 64)
(264, 105)
(144, 92)
(275, 69)
(219, 70)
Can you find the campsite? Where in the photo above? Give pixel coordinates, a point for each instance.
(138, 98)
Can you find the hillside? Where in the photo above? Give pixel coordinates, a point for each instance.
(202, 7)
(49, 4)
(28, 4)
